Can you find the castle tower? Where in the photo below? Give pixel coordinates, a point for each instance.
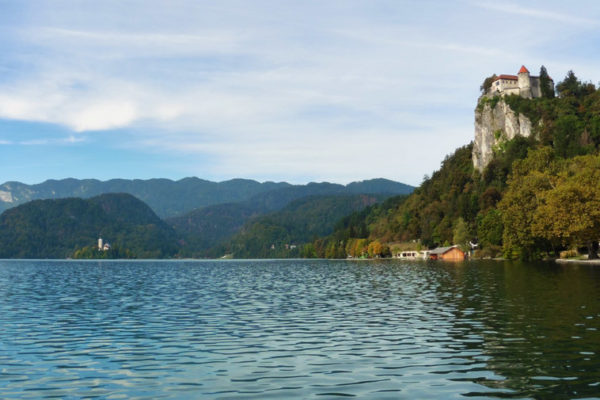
(524, 82)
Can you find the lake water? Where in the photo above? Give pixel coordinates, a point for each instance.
(298, 329)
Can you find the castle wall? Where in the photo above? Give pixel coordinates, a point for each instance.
(524, 85)
(504, 85)
(514, 90)
(535, 87)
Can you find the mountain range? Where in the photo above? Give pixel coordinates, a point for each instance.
(170, 198)
(55, 227)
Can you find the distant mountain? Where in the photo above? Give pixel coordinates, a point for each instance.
(282, 233)
(207, 227)
(204, 228)
(166, 197)
(172, 198)
(278, 198)
(57, 228)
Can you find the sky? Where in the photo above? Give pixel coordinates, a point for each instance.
(272, 90)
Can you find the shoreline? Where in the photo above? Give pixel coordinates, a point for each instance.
(571, 261)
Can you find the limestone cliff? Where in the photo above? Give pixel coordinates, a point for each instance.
(495, 122)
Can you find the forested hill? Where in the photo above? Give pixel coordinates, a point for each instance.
(281, 234)
(205, 228)
(537, 197)
(173, 198)
(71, 227)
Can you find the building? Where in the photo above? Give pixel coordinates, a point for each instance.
(103, 246)
(413, 254)
(451, 253)
(408, 254)
(522, 84)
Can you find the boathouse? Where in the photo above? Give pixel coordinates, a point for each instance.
(452, 253)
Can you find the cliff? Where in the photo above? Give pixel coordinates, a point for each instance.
(495, 122)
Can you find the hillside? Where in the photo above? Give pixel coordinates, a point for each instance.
(530, 177)
(57, 228)
(175, 198)
(281, 233)
(210, 226)
(166, 197)
(200, 230)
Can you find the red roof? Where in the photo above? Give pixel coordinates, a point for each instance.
(523, 70)
(509, 77)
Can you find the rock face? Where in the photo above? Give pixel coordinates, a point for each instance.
(494, 125)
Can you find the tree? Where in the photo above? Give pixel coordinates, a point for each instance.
(490, 228)
(375, 249)
(570, 86)
(569, 213)
(567, 133)
(462, 235)
(487, 83)
(546, 86)
(529, 178)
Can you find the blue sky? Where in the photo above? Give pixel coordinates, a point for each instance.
(324, 90)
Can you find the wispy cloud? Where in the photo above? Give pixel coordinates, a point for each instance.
(49, 141)
(544, 13)
(312, 88)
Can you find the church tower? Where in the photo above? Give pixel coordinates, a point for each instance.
(524, 82)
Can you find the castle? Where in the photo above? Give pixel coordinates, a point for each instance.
(496, 122)
(522, 84)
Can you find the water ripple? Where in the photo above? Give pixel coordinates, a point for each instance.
(298, 329)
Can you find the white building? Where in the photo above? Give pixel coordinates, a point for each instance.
(522, 84)
(413, 254)
(103, 246)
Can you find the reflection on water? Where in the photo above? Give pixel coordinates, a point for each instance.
(298, 329)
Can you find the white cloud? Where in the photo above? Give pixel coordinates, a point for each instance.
(543, 13)
(344, 88)
(103, 115)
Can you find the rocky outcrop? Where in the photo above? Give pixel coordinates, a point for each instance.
(6, 196)
(495, 122)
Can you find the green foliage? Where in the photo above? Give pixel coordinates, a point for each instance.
(567, 131)
(490, 228)
(59, 228)
(429, 214)
(570, 86)
(92, 252)
(491, 101)
(462, 235)
(210, 231)
(546, 86)
(569, 211)
(551, 203)
(350, 234)
(516, 202)
(487, 83)
(284, 233)
(169, 198)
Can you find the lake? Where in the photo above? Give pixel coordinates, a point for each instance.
(298, 329)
